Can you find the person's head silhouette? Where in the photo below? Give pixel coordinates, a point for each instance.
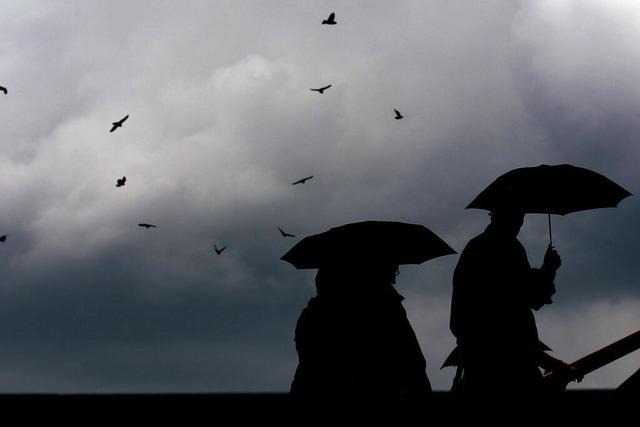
(507, 220)
(355, 278)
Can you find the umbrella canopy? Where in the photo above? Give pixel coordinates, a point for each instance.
(371, 241)
(559, 189)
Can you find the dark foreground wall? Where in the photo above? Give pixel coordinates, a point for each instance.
(197, 409)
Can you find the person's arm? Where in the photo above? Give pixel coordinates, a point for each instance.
(540, 281)
(551, 262)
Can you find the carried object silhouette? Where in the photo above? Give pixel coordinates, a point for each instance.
(598, 359)
(395, 242)
(119, 123)
(545, 189)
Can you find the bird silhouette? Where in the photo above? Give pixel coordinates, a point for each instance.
(3, 238)
(120, 182)
(3, 89)
(302, 181)
(219, 251)
(119, 123)
(331, 20)
(322, 89)
(284, 233)
(147, 226)
(398, 115)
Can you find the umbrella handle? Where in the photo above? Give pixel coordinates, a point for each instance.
(550, 239)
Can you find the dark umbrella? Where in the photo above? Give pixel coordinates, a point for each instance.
(558, 189)
(388, 241)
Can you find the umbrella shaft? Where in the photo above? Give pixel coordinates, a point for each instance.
(550, 239)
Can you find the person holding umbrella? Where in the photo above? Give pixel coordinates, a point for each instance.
(495, 289)
(353, 339)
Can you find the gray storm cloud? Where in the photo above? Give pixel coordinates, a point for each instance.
(222, 121)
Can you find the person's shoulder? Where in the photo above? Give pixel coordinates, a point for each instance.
(307, 317)
(312, 306)
(320, 306)
(479, 239)
(478, 243)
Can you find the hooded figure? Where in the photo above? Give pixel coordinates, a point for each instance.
(354, 339)
(494, 290)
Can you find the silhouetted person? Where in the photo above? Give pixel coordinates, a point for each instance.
(321, 89)
(331, 20)
(119, 123)
(494, 291)
(354, 340)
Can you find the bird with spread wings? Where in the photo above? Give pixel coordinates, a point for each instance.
(331, 20)
(285, 234)
(302, 181)
(321, 89)
(118, 124)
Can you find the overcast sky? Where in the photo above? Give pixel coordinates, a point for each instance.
(222, 121)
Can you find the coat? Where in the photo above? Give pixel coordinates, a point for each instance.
(358, 347)
(494, 290)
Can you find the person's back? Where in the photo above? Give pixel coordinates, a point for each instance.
(355, 341)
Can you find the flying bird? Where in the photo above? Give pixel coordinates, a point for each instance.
(119, 123)
(3, 238)
(398, 115)
(322, 89)
(302, 181)
(120, 182)
(219, 251)
(284, 233)
(3, 89)
(331, 20)
(147, 226)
